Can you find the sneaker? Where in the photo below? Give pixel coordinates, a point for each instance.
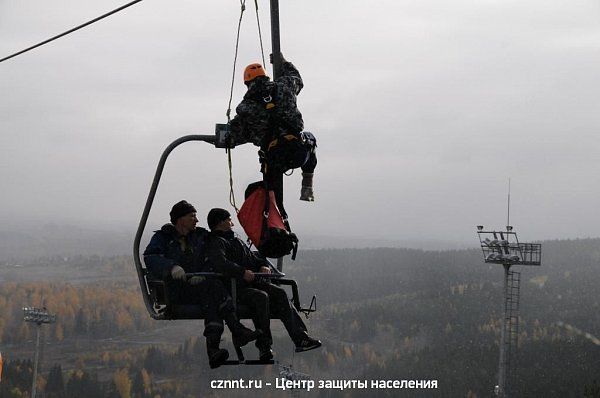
(307, 343)
(244, 335)
(307, 194)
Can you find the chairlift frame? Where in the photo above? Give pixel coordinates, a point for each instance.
(155, 291)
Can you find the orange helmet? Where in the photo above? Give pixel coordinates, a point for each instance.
(252, 71)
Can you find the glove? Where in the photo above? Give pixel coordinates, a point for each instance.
(248, 276)
(178, 273)
(196, 280)
(278, 56)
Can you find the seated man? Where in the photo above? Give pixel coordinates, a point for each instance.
(178, 248)
(230, 256)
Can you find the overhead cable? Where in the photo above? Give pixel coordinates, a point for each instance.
(71, 30)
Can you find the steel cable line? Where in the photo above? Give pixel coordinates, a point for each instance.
(71, 30)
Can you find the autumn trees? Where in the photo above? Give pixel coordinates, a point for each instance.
(83, 310)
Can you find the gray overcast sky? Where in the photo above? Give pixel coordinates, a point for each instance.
(423, 110)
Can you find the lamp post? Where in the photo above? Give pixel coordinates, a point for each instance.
(39, 316)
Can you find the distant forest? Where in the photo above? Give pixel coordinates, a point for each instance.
(384, 314)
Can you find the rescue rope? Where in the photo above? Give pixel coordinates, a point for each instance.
(228, 113)
(262, 50)
(231, 193)
(237, 44)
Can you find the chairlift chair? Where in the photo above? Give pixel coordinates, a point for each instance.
(155, 291)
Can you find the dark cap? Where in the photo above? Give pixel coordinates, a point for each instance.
(216, 216)
(180, 209)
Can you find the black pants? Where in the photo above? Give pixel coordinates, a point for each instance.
(211, 295)
(274, 180)
(311, 145)
(268, 300)
(273, 176)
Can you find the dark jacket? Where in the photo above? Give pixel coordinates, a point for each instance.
(168, 249)
(254, 121)
(229, 255)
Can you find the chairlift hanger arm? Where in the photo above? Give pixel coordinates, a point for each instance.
(275, 39)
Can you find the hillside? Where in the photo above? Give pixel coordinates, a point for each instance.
(383, 314)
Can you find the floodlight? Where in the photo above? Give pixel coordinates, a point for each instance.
(38, 316)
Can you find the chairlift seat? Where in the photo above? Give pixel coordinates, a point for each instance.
(154, 292)
(158, 293)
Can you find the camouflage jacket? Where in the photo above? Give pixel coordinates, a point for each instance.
(255, 121)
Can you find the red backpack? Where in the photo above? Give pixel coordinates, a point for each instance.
(262, 222)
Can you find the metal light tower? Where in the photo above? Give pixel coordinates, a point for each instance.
(39, 317)
(503, 247)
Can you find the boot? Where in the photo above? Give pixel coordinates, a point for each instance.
(243, 336)
(306, 192)
(265, 354)
(240, 334)
(216, 356)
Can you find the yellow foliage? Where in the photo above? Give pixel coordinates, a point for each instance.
(540, 280)
(89, 305)
(147, 382)
(58, 332)
(348, 352)
(122, 383)
(330, 359)
(16, 393)
(106, 358)
(41, 383)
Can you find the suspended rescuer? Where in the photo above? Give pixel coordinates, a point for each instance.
(229, 255)
(269, 118)
(179, 248)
